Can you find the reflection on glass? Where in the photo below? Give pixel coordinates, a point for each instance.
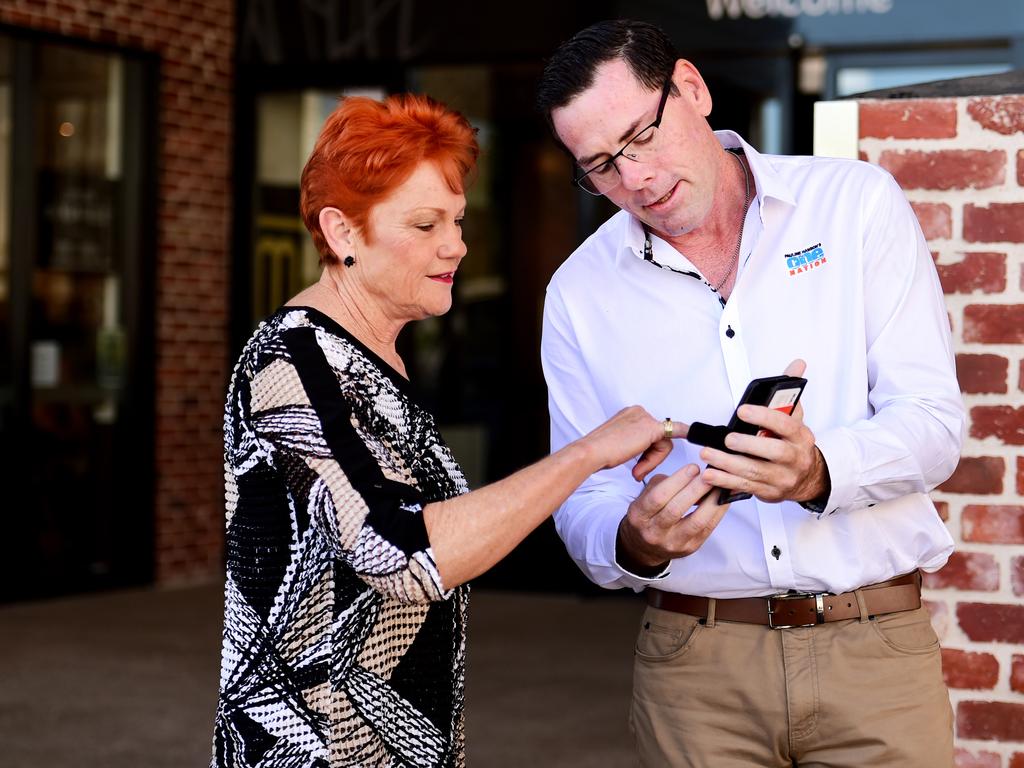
(457, 357)
(6, 371)
(284, 259)
(75, 298)
(850, 80)
(76, 334)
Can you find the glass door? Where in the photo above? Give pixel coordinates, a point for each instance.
(72, 430)
(8, 379)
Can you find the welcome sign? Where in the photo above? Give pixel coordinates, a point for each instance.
(724, 24)
(759, 9)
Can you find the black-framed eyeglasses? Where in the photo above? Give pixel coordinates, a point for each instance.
(604, 176)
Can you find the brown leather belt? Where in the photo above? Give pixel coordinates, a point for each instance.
(799, 609)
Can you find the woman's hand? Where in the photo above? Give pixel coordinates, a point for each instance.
(631, 432)
(470, 533)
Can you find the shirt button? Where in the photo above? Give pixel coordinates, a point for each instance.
(776, 552)
(729, 332)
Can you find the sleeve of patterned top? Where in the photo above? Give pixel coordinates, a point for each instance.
(372, 522)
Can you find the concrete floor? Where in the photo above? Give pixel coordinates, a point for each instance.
(129, 679)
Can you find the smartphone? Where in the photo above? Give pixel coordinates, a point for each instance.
(780, 393)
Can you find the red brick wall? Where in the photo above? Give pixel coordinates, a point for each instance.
(961, 163)
(195, 43)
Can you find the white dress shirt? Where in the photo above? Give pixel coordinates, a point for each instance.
(865, 312)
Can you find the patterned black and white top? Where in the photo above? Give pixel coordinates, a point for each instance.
(341, 646)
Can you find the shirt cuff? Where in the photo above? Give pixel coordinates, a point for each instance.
(640, 580)
(840, 454)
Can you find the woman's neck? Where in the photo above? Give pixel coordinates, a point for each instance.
(358, 313)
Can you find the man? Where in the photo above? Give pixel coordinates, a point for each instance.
(724, 265)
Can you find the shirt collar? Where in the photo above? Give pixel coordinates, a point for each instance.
(767, 184)
(767, 181)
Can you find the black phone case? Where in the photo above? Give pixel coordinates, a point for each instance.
(758, 392)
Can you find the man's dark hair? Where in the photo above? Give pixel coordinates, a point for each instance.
(647, 51)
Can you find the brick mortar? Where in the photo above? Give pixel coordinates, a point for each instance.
(994, 398)
(1013, 397)
(985, 141)
(1003, 749)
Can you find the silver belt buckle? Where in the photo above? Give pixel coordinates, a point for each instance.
(819, 608)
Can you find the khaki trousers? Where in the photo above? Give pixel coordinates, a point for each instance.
(849, 694)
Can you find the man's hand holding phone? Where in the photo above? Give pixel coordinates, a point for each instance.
(775, 460)
(671, 518)
(780, 462)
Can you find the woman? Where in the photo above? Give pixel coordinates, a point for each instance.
(350, 532)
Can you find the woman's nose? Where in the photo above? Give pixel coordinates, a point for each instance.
(455, 247)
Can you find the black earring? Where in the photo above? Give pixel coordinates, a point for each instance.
(349, 261)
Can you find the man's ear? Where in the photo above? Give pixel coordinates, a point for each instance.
(691, 86)
(338, 231)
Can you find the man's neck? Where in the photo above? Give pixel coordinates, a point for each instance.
(711, 248)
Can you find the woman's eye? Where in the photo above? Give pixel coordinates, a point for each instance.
(425, 227)
(458, 223)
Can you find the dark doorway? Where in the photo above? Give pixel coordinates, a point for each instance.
(75, 317)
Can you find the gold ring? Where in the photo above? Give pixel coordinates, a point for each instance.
(668, 426)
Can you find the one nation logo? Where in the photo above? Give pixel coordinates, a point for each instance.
(805, 260)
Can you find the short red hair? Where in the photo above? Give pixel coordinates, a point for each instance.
(367, 148)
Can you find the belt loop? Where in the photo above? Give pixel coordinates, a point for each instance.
(864, 616)
(710, 622)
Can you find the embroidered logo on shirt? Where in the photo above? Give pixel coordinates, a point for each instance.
(807, 259)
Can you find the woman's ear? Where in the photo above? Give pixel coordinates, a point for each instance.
(338, 231)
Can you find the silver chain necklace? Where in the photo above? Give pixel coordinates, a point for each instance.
(649, 246)
(739, 235)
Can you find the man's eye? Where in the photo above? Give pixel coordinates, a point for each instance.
(603, 169)
(425, 227)
(644, 138)
(458, 223)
